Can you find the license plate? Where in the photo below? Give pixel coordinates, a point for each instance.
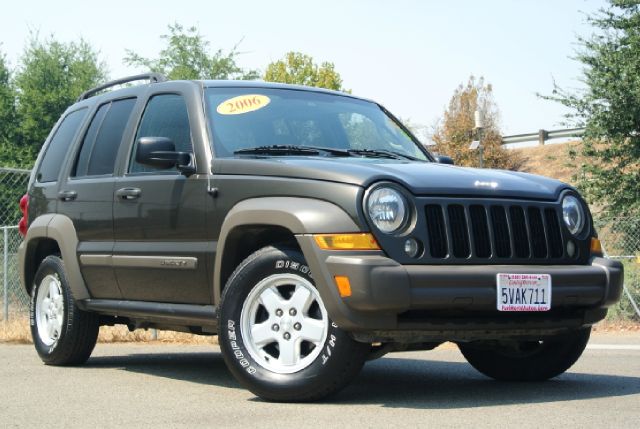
(524, 292)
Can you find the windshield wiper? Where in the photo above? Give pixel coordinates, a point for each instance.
(278, 149)
(381, 153)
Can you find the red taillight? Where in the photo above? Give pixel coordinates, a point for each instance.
(24, 208)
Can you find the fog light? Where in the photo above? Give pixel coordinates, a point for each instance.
(412, 247)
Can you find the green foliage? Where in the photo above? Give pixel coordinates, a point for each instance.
(298, 68)
(186, 56)
(610, 109)
(455, 130)
(52, 75)
(7, 104)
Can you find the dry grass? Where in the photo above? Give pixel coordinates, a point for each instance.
(17, 331)
(551, 160)
(617, 326)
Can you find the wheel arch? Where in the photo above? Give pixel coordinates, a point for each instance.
(258, 222)
(51, 234)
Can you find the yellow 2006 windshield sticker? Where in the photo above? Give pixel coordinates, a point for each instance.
(243, 104)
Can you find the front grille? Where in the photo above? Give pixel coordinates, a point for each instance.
(493, 232)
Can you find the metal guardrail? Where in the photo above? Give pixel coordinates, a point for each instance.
(543, 135)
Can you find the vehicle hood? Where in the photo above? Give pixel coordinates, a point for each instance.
(421, 178)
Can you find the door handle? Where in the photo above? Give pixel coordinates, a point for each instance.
(128, 193)
(67, 195)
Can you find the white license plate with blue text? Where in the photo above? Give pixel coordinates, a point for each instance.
(524, 292)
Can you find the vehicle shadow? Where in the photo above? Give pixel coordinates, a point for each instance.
(202, 367)
(394, 382)
(410, 383)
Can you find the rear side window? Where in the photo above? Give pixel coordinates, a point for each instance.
(165, 116)
(102, 140)
(59, 145)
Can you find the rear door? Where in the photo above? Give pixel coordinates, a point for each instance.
(159, 216)
(86, 194)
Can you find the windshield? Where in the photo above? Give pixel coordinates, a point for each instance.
(246, 118)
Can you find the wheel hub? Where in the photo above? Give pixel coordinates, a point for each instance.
(49, 310)
(284, 323)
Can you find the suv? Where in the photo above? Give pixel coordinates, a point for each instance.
(308, 229)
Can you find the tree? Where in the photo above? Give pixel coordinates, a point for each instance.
(8, 126)
(51, 77)
(298, 68)
(455, 131)
(186, 56)
(609, 108)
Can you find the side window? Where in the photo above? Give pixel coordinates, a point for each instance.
(58, 146)
(165, 116)
(100, 145)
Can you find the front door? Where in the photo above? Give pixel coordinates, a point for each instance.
(159, 218)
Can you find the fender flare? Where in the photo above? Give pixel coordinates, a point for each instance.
(298, 215)
(59, 228)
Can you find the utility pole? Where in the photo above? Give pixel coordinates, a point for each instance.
(479, 128)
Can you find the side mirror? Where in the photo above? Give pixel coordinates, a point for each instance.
(443, 159)
(160, 152)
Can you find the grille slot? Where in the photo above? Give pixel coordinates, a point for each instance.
(480, 227)
(554, 234)
(519, 227)
(435, 228)
(459, 233)
(538, 239)
(501, 238)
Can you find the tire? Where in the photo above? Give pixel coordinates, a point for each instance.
(527, 360)
(62, 333)
(275, 334)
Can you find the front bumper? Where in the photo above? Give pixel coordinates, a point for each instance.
(388, 296)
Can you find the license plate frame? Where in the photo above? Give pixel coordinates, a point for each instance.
(523, 292)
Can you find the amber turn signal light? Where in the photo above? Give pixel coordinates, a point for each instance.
(361, 241)
(596, 247)
(343, 285)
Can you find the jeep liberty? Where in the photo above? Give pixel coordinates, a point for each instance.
(308, 229)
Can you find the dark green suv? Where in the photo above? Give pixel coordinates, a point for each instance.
(308, 229)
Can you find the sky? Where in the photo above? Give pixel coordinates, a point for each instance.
(408, 55)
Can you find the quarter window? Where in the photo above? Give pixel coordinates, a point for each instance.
(165, 116)
(59, 145)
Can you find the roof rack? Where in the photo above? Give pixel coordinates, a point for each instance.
(151, 77)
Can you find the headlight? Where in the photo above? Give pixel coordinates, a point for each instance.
(573, 214)
(387, 209)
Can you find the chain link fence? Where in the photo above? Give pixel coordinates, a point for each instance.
(14, 302)
(620, 238)
(13, 185)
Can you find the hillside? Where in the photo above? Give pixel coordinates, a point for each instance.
(551, 160)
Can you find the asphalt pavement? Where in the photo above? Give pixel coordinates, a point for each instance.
(160, 385)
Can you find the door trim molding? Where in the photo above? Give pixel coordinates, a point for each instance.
(131, 261)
